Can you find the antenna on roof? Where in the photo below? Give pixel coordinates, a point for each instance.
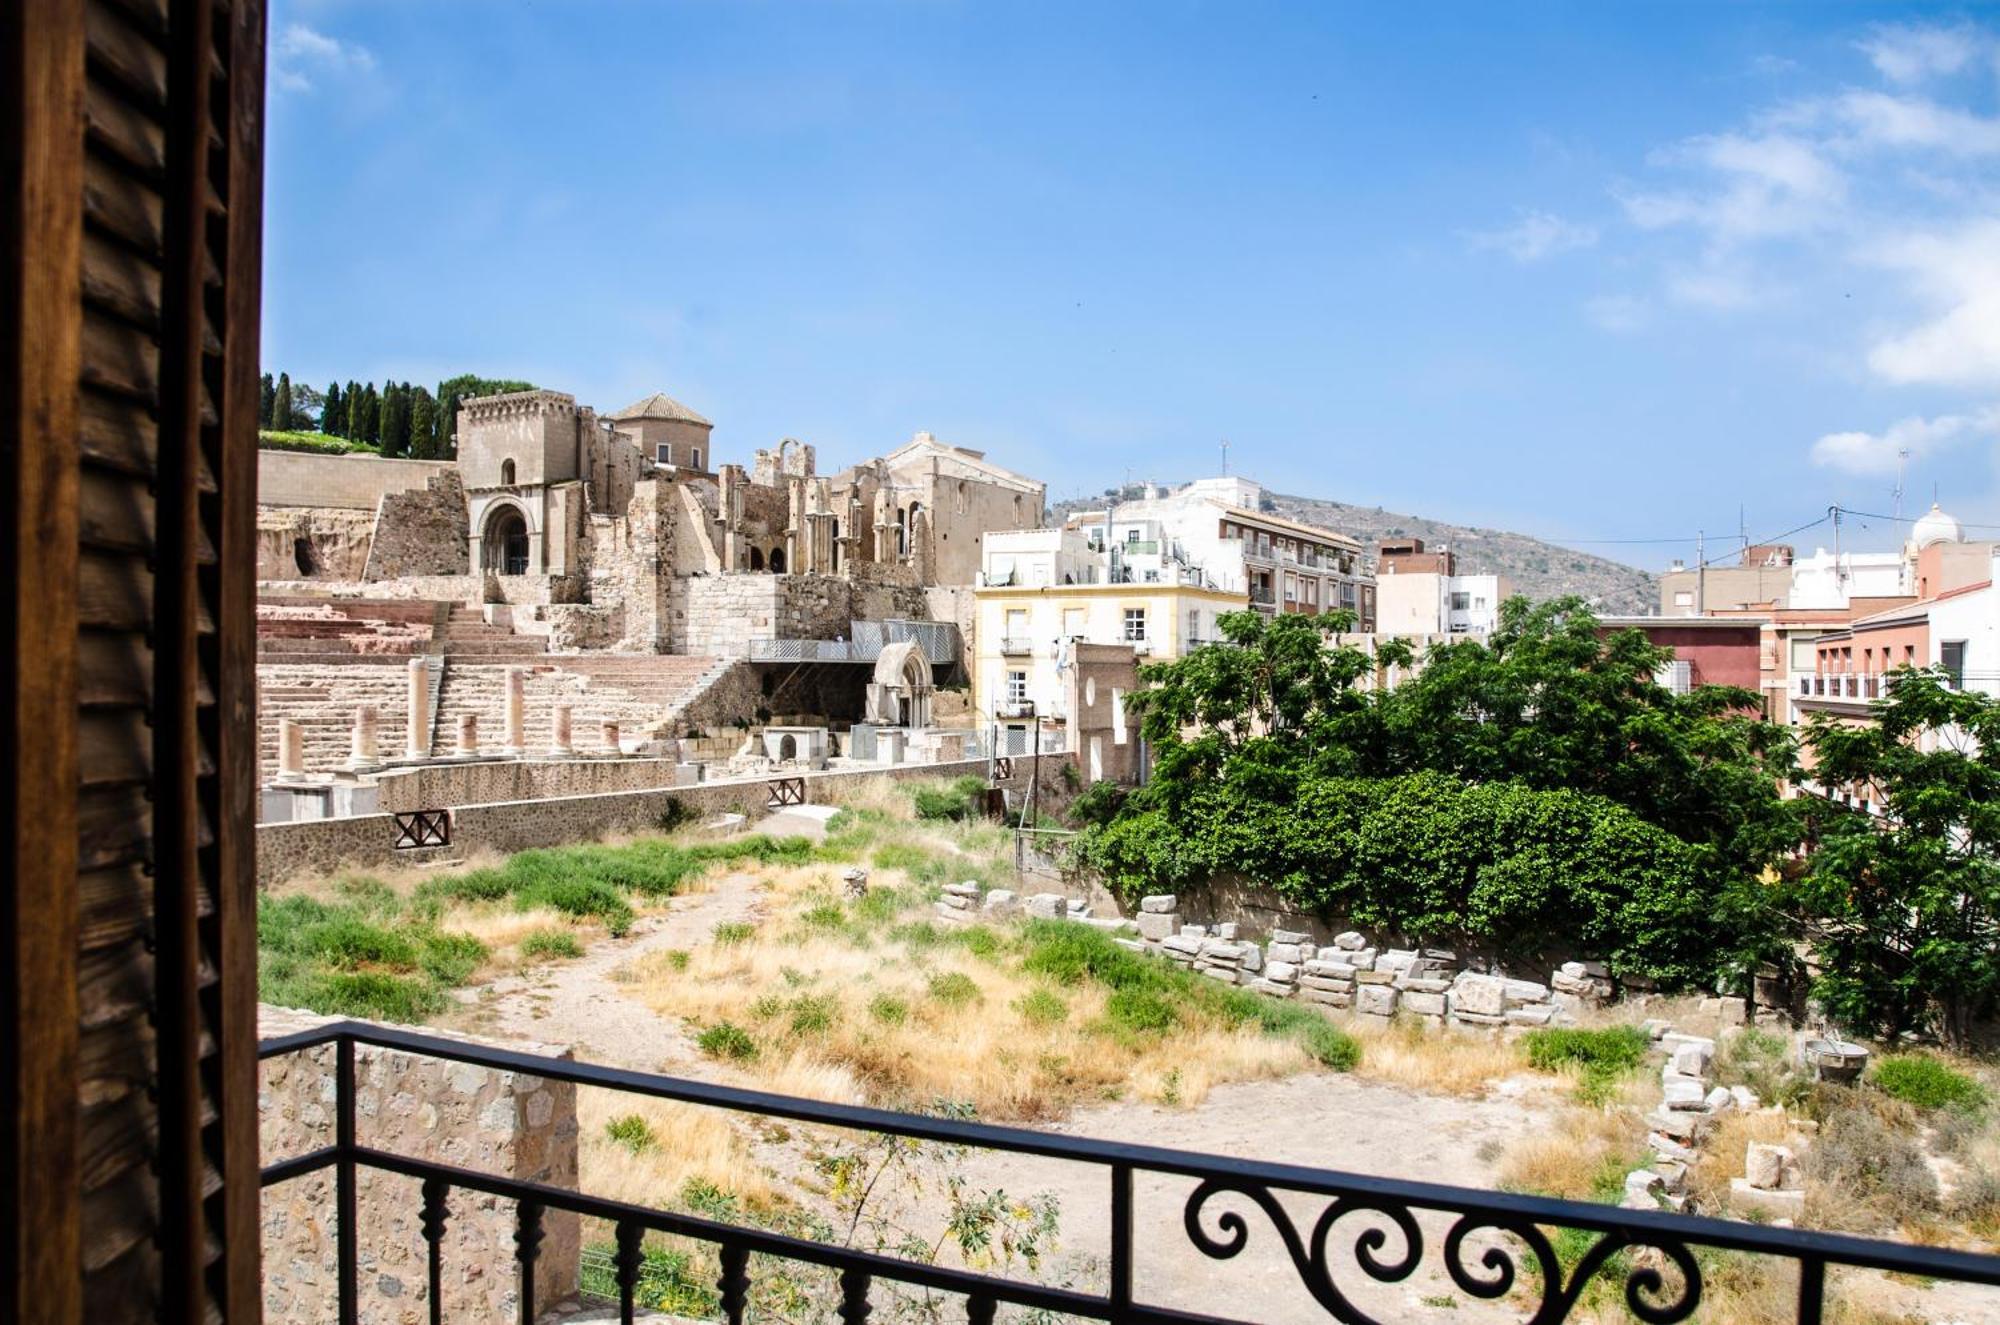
(1225, 457)
(1902, 467)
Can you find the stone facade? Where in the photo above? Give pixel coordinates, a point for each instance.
(313, 543)
(455, 1113)
(420, 532)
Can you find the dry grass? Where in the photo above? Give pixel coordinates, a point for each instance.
(688, 1143)
(1446, 1061)
(1722, 1153)
(1583, 1155)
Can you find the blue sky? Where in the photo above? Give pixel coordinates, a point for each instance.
(1592, 272)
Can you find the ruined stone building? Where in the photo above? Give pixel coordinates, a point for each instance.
(577, 544)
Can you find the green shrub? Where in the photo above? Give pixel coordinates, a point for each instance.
(1602, 1057)
(953, 989)
(900, 856)
(1333, 1047)
(1042, 1007)
(976, 939)
(678, 958)
(1928, 1083)
(727, 1040)
(958, 799)
(1141, 1011)
(630, 1131)
(272, 439)
(733, 931)
(766, 1006)
(888, 1009)
(1871, 1170)
(551, 943)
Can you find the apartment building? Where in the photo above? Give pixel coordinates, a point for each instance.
(1213, 532)
(1418, 591)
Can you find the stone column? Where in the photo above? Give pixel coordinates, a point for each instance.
(468, 735)
(559, 737)
(291, 750)
(517, 690)
(418, 745)
(611, 737)
(362, 754)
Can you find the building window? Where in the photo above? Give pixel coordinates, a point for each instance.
(1135, 625)
(1017, 688)
(506, 473)
(1951, 657)
(664, 453)
(694, 460)
(1132, 535)
(1461, 602)
(1683, 598)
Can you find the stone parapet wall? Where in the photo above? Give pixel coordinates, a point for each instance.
(494, 1122)
(431, 786)
(322, 846)
(299, 478)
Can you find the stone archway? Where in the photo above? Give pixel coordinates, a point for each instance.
(756, 558)
(788, 748)
(302, 556)
(503, 545)
(777, 561)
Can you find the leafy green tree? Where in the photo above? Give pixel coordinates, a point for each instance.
(267, 400)
(1904, 906)
(281, 405)
(465, 386)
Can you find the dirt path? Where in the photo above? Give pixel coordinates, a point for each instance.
(582, 1004)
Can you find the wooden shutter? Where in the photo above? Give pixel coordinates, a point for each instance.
(142, 284)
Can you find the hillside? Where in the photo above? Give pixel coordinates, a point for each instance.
(1537, 569)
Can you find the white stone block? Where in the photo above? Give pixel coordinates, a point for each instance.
(1375, 1000)
(1281, 972)
(1160, 903)
(1482, 995)
(1423, 1005)
(1350, 941)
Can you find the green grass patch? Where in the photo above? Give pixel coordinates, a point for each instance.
(814, 1014)
(674, 1281)
(1928, 1083)
(318, 443)
(903, 856)
(888, 1009)
(1042, 1007)
(958, 799)
(727, 1040)
(551, 943)
(365, 953)
(954, 989)
(630, 1131)
(734, 931)
(1601, 1057)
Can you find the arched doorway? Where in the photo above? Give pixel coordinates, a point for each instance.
(756, 558)
(788, 749)
(504, 546)
(302, 554)
(777, 561)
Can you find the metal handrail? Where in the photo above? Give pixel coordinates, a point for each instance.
(1497, 1272)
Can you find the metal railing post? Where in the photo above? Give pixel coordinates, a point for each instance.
(345, 1202)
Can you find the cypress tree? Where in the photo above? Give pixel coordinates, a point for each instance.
(281, 407)
(266, 398)
(332, 419)
(423, 425)
(395, 419)
(366, 414)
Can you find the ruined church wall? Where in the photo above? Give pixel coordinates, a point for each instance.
(423, 531)
(503, 1123)
(353, 482)
(726, 612)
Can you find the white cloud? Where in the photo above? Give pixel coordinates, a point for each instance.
(1713, 288)
(1535, 236)
(301, 55)
(1958, 274)
(1871, 454)
(1620, 314)
(1770, 184)
(1912, 53)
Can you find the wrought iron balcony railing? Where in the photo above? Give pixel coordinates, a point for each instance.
(1496, 1245)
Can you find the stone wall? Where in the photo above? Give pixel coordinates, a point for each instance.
(430, 786)
(471, 1117)
(357, 482)
(421, 531)
(433, 588)
(726, 612)
(336, 542)
(322, 846)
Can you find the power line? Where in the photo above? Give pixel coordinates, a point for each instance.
(1905, 519)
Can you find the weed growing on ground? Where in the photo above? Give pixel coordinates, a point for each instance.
(957, 799)
(544, 943)
(888, 1009)
(1762, 1061)
(1042, 1007)
(631, 1131)
(734, 931)
(954, 989)
(1866, 1169)
(363, 953)
(1600, 1058)
(1928, 1083)
(727, 1040)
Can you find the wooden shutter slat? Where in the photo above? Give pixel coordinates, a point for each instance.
(114, 669)
(120, 358)
(114, 592)
(115, 747)
(129, 59)
(121, 130)
(120, 282)
(122, 207)
(117, 434)
(116, 513)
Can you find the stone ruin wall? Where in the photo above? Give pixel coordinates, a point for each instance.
(471, 1117)
(338, 540)
(422, 531)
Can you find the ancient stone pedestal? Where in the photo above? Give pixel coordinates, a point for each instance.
(418, 745)
(291, 750)
(559, 732)
(362, 755)
(468, 735)
(517, 691)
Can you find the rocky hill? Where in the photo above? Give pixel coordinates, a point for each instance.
(1538, 569)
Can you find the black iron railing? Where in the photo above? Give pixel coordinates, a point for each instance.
(422, 828)
(1662, 1279)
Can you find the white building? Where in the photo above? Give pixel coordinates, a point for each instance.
(1965, 632)
(1211, 532)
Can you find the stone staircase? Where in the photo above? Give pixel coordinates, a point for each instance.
(310, 629)
(322, 696)
(642, 693)
(467, 636)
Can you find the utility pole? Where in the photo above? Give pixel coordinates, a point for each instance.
(1700, 574)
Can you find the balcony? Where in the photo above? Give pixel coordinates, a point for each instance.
(1852, 687)
(1492, 1245)
(1263, 597)
(1016, 646)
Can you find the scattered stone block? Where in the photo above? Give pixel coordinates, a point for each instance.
(853, 883)
(1047, 906)
(1133, 944)
(1194, 931)
(1252, 957)
(1155, 926)
(1719, 1100)
(1333, 970)
(1745, 1098)
(1332, 998)
(1387, 978)
(1079, 910)
(1683, 1094)
(1226, 975)
(1284, 952)
(1784, 1204)
(1271, 988)
(1289, 936)
(1181, 943)
(1160, 903)
(1283, 973)
(1377, 1000)
(965, 889)
(1764, 1165)
(1350, 941)
(1655, 1027)
(1482, 995)
(1363, 957)
(1477, 1018)
(1683, 1126)
(1673, 1042)
(1424, 1005)
(1643, 1187)
(1667, 1148)
(1692, 1060)
(1423, 985)
(1227, 930)
(1524, 991)
(1329, 982)
(1732, 1011)
(1531, 1014)
(1001, 901)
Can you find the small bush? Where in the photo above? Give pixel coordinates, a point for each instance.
(1042, 1007)
(1141, 1011)
(1602, 1057)
(1869, 1172)
(957, 799)
(977, 940)
(630, 1131)
(888, 1009)
(727, 1040)
(954, 989)
(900, 856)
(766, 1006)
(551, 943)
(678, 958)
(733, 931)
(1333, 1047)
(1924, 1081)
